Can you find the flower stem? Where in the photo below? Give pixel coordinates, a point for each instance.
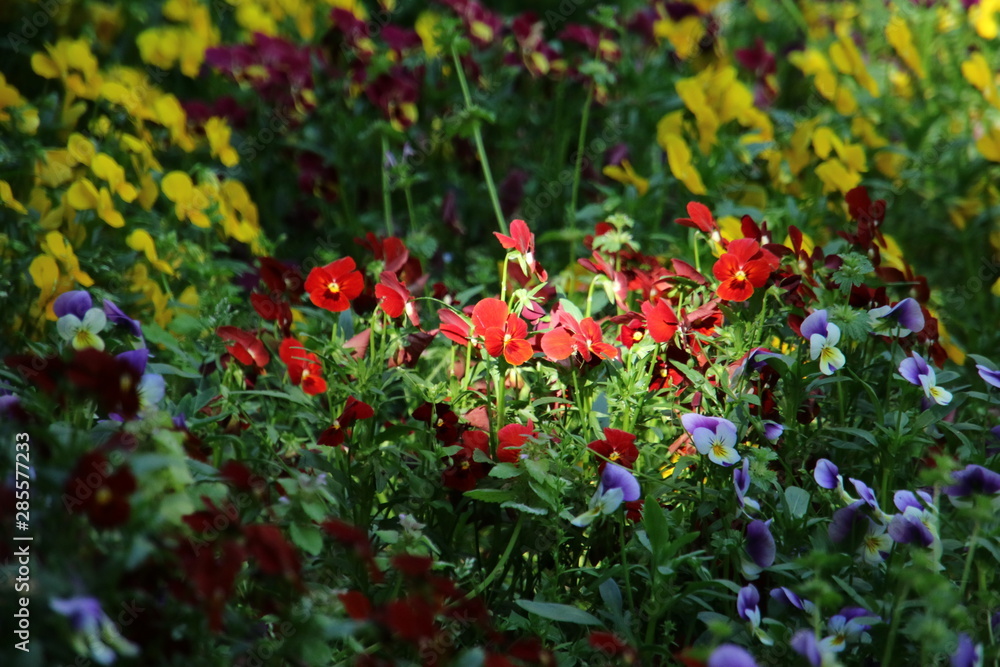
(386, 198)
(499, 567)
(621, 541)
(968, 561)
(578, 168)
(478, 135)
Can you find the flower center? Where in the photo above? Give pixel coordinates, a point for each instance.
(614, 456)
(740, 276)
(126, 382)
(440, 422)
(506, 338)
(333, 287)
(464, 465)
(103, 496)
(637, 336)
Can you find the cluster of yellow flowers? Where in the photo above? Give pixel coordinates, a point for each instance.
(113, 171)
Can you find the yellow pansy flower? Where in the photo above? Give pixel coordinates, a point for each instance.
(189, 202)
(836, 176)
(171, 115)
(55, 168)
(847, 59)
(897, 32)
(978, 72)
(72, 61)
(83, 195)
(218, 132)
(679, 161)
(989, 144)
(427, 27)
(14, 107)
(240, 219)
(141, 241)
(683, 35)
(81, 148)
(7, 198)
(889, 163)
(983, 16)
(626, 175)
(105, 168)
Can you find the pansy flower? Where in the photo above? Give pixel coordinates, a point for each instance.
(990, 376)
(731, 655)
(748, 608)
(504, 332)
(105, 501)
(741, 480)
(335, 285)
(916, 521)
(511, 438)
(522, 242)
(876, 543)
(152, 386)
(661, 322)
(353, 411)
(760, 543)
(395, 298)
(465, 471)
(83, 333)
(916, 371)
(303, 366)
(971, 480)
(900, 319)
(117, 316)
(743, 268)
(617, 485)
(95, 635)
(967, 654)
(617, 447)
(244, 346)
(823, 337)
(714, 437)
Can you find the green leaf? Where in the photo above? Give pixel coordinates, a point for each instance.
(315, 509)
(657, 530)
(525, 508)
(612, 596)
(307, 537)
(537, 469)
(558, 612)
(491, 495)
(867, 436)
(167, 369)
(505, 471)
(797, 500)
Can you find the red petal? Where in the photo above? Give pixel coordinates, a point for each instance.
(339, 268)
(352, 284)
(487, 314)
(558, 344)
(661, 322)
(743, 250)
(494, 341)
(517, 351)
(726, 267)
(735, 290)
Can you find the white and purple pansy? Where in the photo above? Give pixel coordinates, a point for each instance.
(617, 485)
(823, 337)
(79, 322)
(898, 320)
(918, 372)
(713, 436)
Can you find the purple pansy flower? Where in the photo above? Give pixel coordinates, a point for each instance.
(990, 376)
(973, 479)
(788, 596)
(748, 607)
(823, 337)
(617, 485)
(713, 436)
(741, 480)
(117, 316)
(827, 475)
(97, 634)
(917, 371)
(76, 303)
(967, 654)
(845, 520)
(804, 643)
(901, 319)
(731, 655)
(760, 543)
(773, 430)
(914, 522)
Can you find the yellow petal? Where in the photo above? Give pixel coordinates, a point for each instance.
(177, 187)
(83, 195)
(80, 148)
(44, 272)
(7, 197)
(44, 66)
(107, 211)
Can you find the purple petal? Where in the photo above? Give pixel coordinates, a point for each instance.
(814, 324)
(760, 543)
(907, 312)
(77, 302)
(692, 420)
(904, 499)
(966, 655)
(731, 655)
(990, 376)
(748, 598)
(845, 521)
(788, 596)
(84, 613)
(773, 430)
(865, 492)
(825, 473)
(741, 479)
(117, 316)
(912, 368)
(617, 477)
(804, 643)
(180, 421)
(907, 527)
(136, 359)
(974, 479)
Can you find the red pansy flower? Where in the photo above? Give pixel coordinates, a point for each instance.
(700, 218)
(617, 446)
(465, 472)
(273, 553)
(523, 241)
(511, 438)
(245, 346)
(103, 495)
(661, 321)
(504, 332)
(303, 366)
(334, 286)
(395, 299)
(744, 267)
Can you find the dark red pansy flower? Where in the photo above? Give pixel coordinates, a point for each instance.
(209, 573)
(394, 298)
(442, 418)
(303, 366)
(273, 553)
(356, 605)
(610, 644)
(112, 381)
(411, 619)
(281, 278)
(465, 472)
(213, 519)
(353, 411)
(700, 218)
(411, 565)
(617, 446)
(743, 268)
(102, 494)
(335, 285)
(244, 346)
(454, 327)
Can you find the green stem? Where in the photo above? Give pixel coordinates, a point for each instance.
(625, 567)
(386, 195)
(409, 208)
(577, 169)
(894, 627)
(968, 561)
(498, 568)
(478, 135)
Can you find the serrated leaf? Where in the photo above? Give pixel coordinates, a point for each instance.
(537, 469)
(558, 612)
(314, 509)
(538, 511)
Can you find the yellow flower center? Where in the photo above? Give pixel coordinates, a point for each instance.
(103, 496)
(637, 336)
(740, 276)
(333, 287)
(440, 422)
(614, 456)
